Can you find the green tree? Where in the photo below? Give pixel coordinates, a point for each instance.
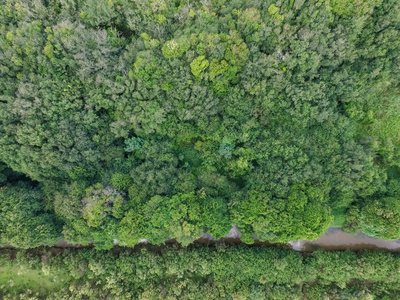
(24, 222)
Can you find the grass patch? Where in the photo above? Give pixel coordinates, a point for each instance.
(382, 119)
(16, 279)
(339, 217)
(387, 120)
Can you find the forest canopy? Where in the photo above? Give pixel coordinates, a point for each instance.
(220, 272)
(166, 119)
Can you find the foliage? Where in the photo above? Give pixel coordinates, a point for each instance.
(24, 223)
(271, 115)
(199, 65)
(132, 144)
(377, 216)
(303, 215)
(176, 47)
(235, 272)
(99, 202)
(121, 181)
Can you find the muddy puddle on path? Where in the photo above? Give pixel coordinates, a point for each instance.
(337, 239)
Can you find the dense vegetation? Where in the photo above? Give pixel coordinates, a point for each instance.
(235, 273)
(160, 119)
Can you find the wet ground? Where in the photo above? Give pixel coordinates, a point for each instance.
(336, 239)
